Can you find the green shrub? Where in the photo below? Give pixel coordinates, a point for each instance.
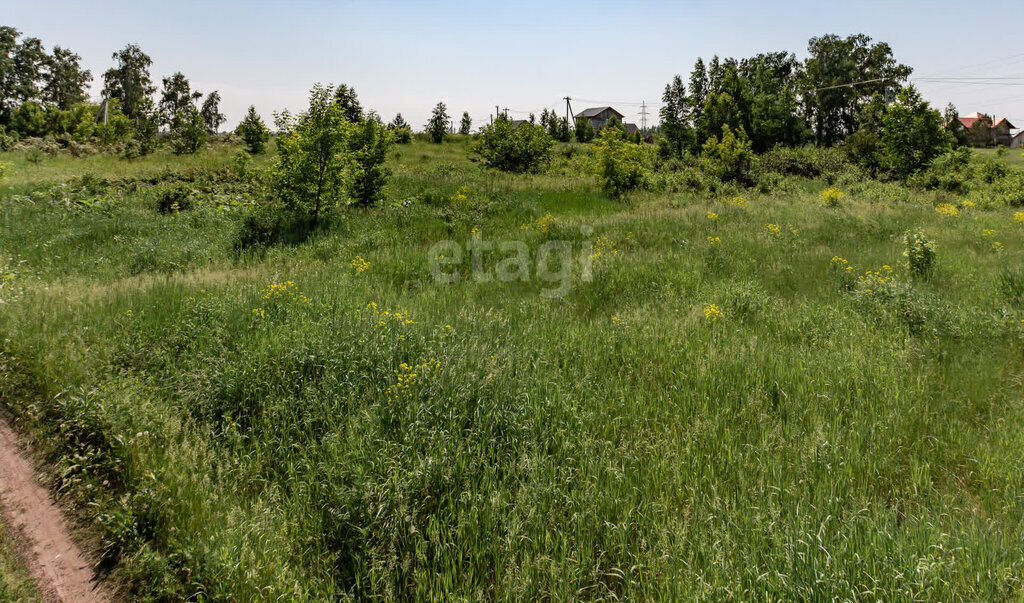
(516, 149)
(920, 253)
(173, 199)
(989, 170)
(621, 164)
(806, 162)
(731, 158)
(253, 131)
(948, 172)
(403, 135)
(3, 170)
(369, 143)
(7, 140)
(188, 134)
(1010, 188)
(259, 231)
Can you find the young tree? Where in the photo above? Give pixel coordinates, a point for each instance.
(698, 89)
(621, 164)
(65, 80)
(211, 112)
(253, 131)
(398, 122)
(584, 130)
(188, 132)
(466, 125)
(437, 127)
(563, 134)
(313, 155)
(348, 101)
(675, 118)
(951, 119)
(129, 81)
(147, 125)
(369, 143)
(980, 132)
(177, 98)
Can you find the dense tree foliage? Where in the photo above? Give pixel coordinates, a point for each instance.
(29, 75)
(898, 139)
(129, 81)
(177, 98)
(310, 171)
(466, 125)
(348, 101)
(840, 77)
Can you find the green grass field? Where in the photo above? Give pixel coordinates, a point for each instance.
(721, 411)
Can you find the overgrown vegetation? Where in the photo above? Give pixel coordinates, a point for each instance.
(513, 148)
(782, 370)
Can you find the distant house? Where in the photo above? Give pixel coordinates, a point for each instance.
(631, 129)
(599, 116)
(1017, 142)
(998, 134)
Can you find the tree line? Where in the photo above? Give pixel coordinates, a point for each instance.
(45, 94)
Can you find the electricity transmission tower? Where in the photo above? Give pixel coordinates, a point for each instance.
(643, 117)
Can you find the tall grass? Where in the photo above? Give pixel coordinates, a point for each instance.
(237, 441)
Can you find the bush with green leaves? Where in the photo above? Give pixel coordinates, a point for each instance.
(173, 199)
(729, 158)
(517, 149)
(369, 143)
(188, 132)
(897, 140)
(313, 154)
(403, 135)
(7, 139)
(3, 170)
(621, 164)
(253, 131)
(147, 126)
(920, 253)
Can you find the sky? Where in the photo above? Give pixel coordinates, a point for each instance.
(405, 56)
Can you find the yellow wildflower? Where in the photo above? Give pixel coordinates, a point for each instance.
(712, 312)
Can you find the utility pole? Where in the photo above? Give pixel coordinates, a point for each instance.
(570, 123)
(643, 117)
(497, 111)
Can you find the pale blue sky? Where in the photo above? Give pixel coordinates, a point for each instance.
(405, 56)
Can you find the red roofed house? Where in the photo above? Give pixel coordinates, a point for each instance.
(984, 131)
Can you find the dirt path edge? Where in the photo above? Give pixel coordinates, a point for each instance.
(61, 570)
